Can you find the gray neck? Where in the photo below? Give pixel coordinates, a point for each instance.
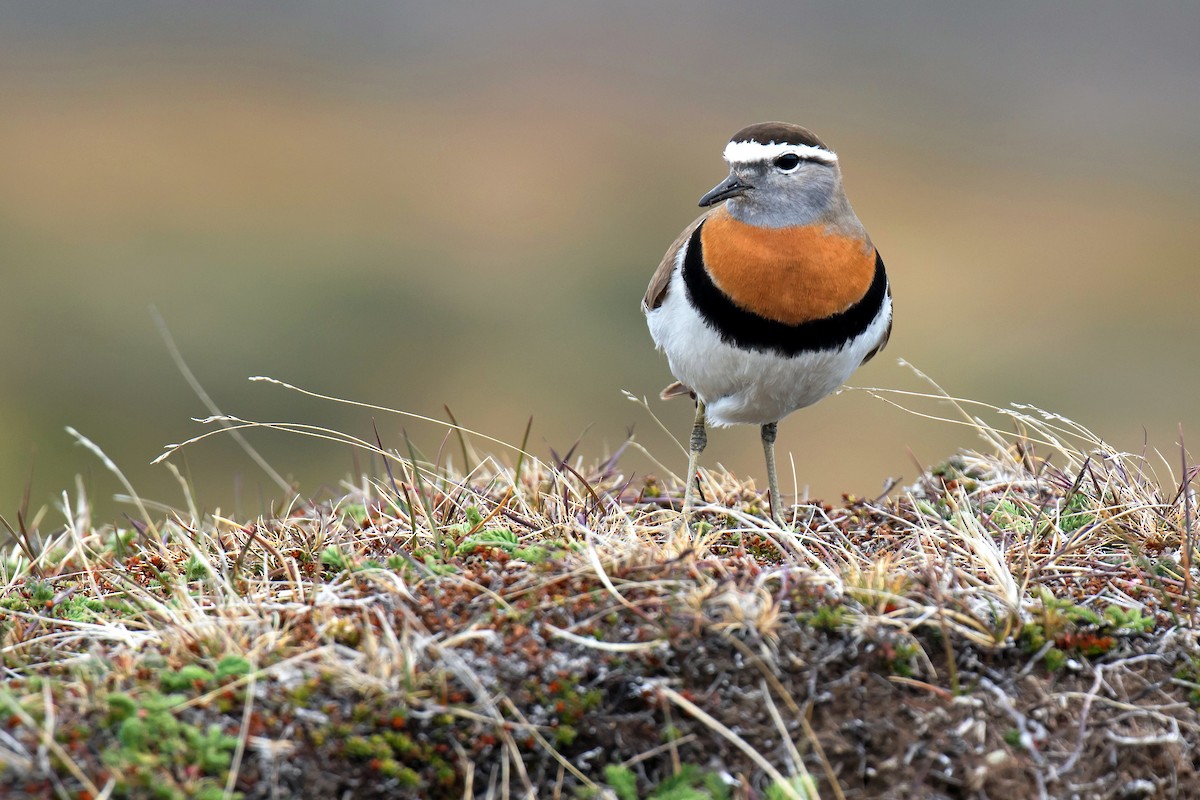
(818, 202)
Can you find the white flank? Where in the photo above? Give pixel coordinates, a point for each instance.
(750, 152)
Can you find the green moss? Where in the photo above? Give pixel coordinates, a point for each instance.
(622, 781)
(232, 666)
(189, 677)
(353, 515)
(827, 618)
(899, 657)
(212, 791)
(500, 539)
(564, 735)
(1121, 619)
(195, 569)
(334, 559)
(1073, 628)
(444, 774)
(689, 783)
(1054, 659)
(365, 747)
(1078, 511)
(303, 692)
(408, 778)
(939, 510)
(157, 752)
(120, 707)
(40, 592)
(400, 743)
(1007, 515)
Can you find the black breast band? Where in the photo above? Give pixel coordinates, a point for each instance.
(748, 330)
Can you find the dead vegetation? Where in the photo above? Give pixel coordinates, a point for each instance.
(1020, 622)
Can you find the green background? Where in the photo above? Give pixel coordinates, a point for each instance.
(419, 204)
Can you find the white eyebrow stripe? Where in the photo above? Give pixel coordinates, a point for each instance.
(749, 152)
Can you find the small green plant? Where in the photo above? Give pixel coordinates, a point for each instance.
(801, 785)
(40, 592)
(119, 542)
(504, 540)
(191, 677)
(1077, 512)
(195, 569)
(1054, 659)
(232, 666)
(352, 515)
(828, 618)
(1132, 619)
(42, 598)
(940, 510)
(154, 751)
(1007, 515)
(333, 558)
(434, 563)
(564, 735)
(622, 781)
(690, 783)
(899, 656)
(1072, 628)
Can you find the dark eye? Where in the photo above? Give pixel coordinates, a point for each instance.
(787, 162)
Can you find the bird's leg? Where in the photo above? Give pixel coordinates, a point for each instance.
(695, 448)
(768, 439)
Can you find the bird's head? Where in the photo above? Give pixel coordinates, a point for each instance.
(779, 175)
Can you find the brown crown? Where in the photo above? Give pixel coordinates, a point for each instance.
(778, 133)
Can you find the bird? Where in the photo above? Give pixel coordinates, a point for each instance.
(769, 300)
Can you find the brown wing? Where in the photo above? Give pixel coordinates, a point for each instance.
(662, 276)
(886, 335)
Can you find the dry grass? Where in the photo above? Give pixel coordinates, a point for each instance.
(1019, 621)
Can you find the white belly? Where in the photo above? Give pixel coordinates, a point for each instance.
(746, 386)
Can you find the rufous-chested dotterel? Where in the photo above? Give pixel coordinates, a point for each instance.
(767, 303)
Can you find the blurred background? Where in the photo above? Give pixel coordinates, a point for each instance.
(418, 204)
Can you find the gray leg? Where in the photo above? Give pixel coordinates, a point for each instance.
(696, 446)
(768, 439)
